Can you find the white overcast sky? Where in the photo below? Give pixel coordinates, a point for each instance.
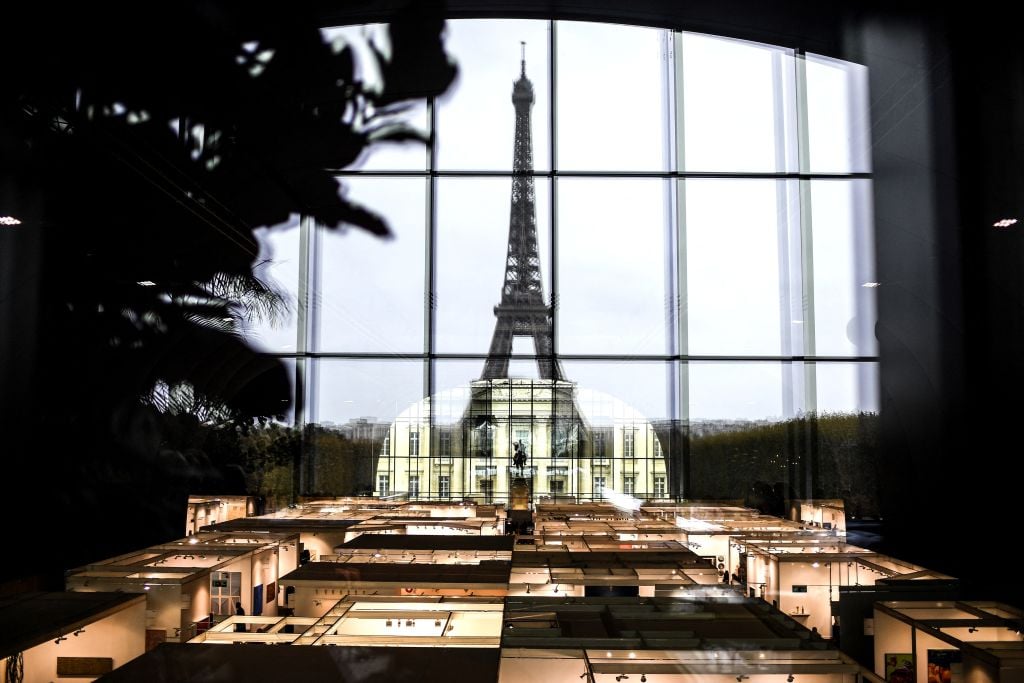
(614, 105)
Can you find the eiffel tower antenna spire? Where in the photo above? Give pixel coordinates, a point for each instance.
(522, 311)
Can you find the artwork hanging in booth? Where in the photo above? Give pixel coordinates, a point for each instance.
(899, 667)
(257, 600)
(945, 666)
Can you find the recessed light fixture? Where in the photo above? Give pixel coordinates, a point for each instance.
(146, 283)
(9, 220)
(1004, 223)
(872, 284)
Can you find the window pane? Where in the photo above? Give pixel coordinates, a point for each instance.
(846, 387)
(346, 389)
(844, 307)
(723, 395)
(371, 289)
(452, 379)
(278, 267)
(733, 266)
(386, 156)
(612, 104)
(613, 272)
(738, 106)
(357, 403)
(847, 435)
(736, 444)
(630, 411)
(472, 246)
(475, 118)
(838, 123)
(643, 386)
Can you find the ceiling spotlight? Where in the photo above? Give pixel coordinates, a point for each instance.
(583, 675)
(79, 631)
(790, 678)
(621, 676)
(643, 678)
(742, 677)
(972, 629)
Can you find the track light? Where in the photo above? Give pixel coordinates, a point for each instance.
(621, 676)
(790, 678)
(972, 629)
(79, 631)
(742, 677)
(59, 638)
(643, 678)
(583, 675)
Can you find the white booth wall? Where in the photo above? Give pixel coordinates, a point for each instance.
(320, 543)
(120, 636)
(195, 596)
(816, 602)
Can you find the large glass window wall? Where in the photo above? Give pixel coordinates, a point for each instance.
(704, 244)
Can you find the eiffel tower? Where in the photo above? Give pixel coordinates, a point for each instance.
(522, 311)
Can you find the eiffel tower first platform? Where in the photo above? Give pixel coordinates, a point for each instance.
(520, 439)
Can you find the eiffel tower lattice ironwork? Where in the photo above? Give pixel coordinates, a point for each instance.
(522, 311)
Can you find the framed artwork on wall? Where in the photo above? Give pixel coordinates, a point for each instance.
(945, 666)
(899, 667)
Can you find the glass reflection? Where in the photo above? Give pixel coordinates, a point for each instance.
(516, 439)
(273, 328)
(754, 250)
(846, 435)
(355, 403)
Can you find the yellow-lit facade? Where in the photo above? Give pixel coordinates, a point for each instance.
(578, 445)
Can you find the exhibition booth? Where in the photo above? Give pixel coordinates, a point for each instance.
(552, 665)
(318, 585)
(53, 636)
(403, 621)
(196, 581)
(951, 641)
